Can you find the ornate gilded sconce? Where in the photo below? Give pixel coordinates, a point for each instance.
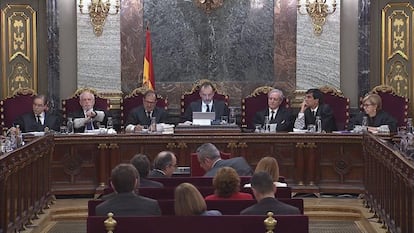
(98, 10)
(318, 10)
(209, 5)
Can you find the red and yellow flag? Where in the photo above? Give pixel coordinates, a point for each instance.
(148, 79)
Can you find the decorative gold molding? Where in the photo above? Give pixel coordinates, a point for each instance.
(318, 10)
(18, 48)
(98, 12)
(209, 5)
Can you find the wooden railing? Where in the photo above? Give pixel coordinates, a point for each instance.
(389, 184)
(25, 189)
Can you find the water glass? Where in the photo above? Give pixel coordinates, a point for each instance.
(258, 128)
(109, 123)
(223, 120)
(63, 129)
(311, 128)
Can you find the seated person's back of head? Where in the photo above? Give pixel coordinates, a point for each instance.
(226, 184)
(188, 201)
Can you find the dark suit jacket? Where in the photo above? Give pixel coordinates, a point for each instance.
(238, 163)
(138, 116)
(80, 114)
(382, 118)
(270, 204)
(219, 107)
(327, 117)
(156, 173)
(28, 122)
(128, 204)
(145, 183)
(284, 119)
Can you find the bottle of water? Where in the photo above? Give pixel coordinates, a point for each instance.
(410, 125)
(69, 124)
(318, 124)
(19, 137)
(109, 123)
(364, 123)
(153, 126)
(232, 117)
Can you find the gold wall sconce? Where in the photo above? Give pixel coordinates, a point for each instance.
(98, 10)
(209, 5)
(318, 10)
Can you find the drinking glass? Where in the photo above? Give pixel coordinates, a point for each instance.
(223, 120)
(311, 128)
(63, 129)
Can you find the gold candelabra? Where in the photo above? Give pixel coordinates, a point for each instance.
(318, 10)
(98, 10)
(209, 5)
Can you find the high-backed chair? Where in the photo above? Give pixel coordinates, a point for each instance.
(339, 105)
(19, 103)
(134, 100)
(255, 102)
(392, 103)
(194, 95)
(72, 104)
(196, 169)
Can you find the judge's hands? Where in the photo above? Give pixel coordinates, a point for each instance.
(303, 106)
(138, 128)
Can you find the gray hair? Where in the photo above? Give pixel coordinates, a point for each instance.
(163, 160)
(276, 91)
(207, 150)
(81, 96)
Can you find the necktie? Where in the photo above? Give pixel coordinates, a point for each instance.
(149, 115)
(272, 117)
(208, 108)
(89, 126)
(314, 113)
(38, 120)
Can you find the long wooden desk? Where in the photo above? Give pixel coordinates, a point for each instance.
(314, 163)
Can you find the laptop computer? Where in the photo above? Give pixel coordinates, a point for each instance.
(203, 118)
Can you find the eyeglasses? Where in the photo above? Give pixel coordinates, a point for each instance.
(366, 105)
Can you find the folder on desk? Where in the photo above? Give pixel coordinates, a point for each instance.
(203, 118)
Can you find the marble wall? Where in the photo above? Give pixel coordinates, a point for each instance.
(99, 59)
(232, 43)
(318, 57)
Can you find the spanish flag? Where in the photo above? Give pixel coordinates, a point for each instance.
(148, 79)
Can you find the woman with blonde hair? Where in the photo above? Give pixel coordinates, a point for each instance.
(226, 184)
(188, 201)
(271, 166)
(374, 114)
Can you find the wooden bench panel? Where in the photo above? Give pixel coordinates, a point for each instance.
(200, 224)
(226, 207)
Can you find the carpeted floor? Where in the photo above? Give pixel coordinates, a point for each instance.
(315, 226)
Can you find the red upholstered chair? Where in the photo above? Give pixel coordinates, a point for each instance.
(196, 169)
(72, 104)
(339, 105)
(19, 103)
(256, 101)
(134, 100)
(392, 103)
(194, 95)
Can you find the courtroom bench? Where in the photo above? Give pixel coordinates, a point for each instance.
(226, 207)
(199, 224)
